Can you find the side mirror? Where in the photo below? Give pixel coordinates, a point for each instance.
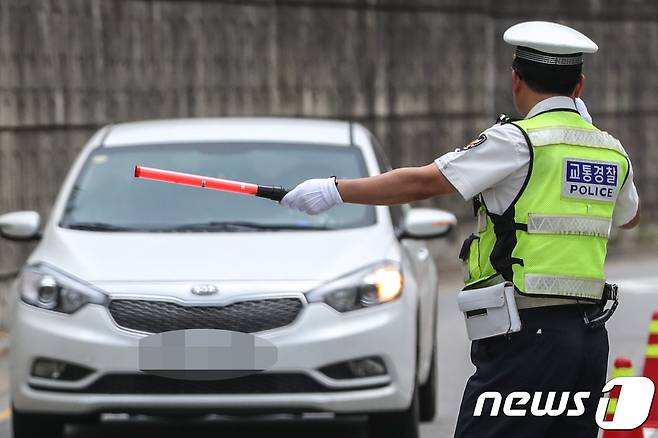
(427, 223)
(20, 225)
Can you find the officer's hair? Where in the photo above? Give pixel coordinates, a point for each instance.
(543, 78)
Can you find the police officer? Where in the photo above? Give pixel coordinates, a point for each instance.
(547, 189)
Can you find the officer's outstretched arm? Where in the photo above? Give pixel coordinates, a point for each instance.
(398, 186)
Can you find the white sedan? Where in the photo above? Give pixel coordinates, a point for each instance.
(145, 297)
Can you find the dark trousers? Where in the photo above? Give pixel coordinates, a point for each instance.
(554, 351)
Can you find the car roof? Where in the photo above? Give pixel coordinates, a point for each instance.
(197, 130)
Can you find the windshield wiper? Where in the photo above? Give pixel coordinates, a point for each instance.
(242, 226)
(99, 226)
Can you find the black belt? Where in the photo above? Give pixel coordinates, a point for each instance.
(593, 315)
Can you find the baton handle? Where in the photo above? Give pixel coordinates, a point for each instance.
(275, 193)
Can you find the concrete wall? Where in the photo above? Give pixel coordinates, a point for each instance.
(425, 76)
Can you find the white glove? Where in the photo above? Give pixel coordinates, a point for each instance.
(313, 196)
(582, 109)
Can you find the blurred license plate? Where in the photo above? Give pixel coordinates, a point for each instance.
(202, 354)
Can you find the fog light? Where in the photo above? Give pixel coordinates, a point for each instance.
(48, 369)
(367, 367)
(58, 370)
(357, 368)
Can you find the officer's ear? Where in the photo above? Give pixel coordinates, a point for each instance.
(516, 81)
(578, 89)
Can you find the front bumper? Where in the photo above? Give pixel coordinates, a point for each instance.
(320, 336)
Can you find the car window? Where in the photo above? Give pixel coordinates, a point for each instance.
(107, 196)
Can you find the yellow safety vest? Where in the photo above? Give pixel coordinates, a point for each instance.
(552, 240)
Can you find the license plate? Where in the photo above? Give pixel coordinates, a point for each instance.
(204, 354)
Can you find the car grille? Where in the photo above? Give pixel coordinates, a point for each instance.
(282, 383)
(245, 316)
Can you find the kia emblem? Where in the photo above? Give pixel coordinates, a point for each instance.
(204, 289)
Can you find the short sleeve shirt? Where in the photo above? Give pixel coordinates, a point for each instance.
(496, 164)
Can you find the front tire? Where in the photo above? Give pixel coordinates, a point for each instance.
(29, 425)
(400, 424)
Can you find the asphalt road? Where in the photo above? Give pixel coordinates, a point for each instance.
(637, 276)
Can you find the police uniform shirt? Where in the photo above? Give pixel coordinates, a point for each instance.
(496, 165)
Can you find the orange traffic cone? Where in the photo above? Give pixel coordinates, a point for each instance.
(651, 366)
(623, 368)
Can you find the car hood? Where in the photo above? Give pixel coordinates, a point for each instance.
(252, 256)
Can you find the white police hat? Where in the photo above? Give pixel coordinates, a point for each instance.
(549, 43)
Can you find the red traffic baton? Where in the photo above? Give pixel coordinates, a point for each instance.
(275, 193)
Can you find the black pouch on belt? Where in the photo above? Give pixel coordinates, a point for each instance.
(599, 318)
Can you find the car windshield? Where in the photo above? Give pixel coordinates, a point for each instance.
(107, 197)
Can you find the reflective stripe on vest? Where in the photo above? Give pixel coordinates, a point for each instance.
(576, 225)
(549, 284)
(574, 136)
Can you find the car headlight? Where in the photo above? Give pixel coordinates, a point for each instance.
(376, 284)
(43, 286)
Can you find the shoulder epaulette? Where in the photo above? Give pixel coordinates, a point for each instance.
(504, 118)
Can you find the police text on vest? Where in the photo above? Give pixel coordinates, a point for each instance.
(590, 179)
